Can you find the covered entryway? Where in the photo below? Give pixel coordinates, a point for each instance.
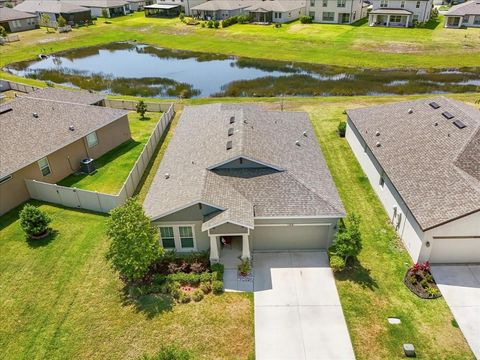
(455, 250)
(453, 21)
(291, 237)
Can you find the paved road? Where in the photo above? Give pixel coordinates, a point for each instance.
(460, 286)
(297, 309)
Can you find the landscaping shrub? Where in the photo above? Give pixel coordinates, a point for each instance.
(206, 287)
(197, 267)
(61, 21)
(229, 21)
(342, 127)
(3, 32)
(216, 24)
(183, 298)
(348, 240)
(337, 263)
(159, 279)
(33, 221)
(181, 16)
(197, 295)
(185, 278)
(210, 24)
(244, 19)
(141, 109)
(169, 353)
(306, 19)
(218, 269)
(217, 287)
(244, 267)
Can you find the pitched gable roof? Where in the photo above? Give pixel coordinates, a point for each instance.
(77, 97)
(7, 14)
(50, 6)
(467, 8)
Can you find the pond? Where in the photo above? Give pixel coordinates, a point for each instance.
(142, 70)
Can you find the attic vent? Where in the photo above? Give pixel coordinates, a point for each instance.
(35, 115)
(377, 133)
(71, 128)
(459, 124)
(167, 175)
(305, 133)
(230, 132)
(447, 115)
(6, 110)
(434, 105)
(297, 143)
(229, 145)
(232, 120)
(410, 111)
(378, 144)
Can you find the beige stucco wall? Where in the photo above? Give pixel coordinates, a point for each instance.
(62, 162)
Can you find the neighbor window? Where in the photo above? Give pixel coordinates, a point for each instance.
(92, 139)
(168, 239)
(328, 16)
(341, 3)
(418, 4)
(325, 3)
(402, 4)
(312, 2)
(186, 237)
(395, 18)
(312, 14)
(384, 3)
(476, 20)
(44, 166)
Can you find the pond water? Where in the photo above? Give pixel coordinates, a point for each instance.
(143, 70)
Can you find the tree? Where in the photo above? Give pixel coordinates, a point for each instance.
(134, 241)
(105, 14)
(34, 221)
(45, 21)
(3, 32)
(9, 5)
(141, 108)
(348, 240)
(61, 21)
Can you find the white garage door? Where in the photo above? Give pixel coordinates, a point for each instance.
(455, 250)
(298, 237)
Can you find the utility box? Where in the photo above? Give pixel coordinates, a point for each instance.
(87, 166)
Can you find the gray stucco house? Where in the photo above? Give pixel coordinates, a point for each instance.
(15, 20)
(239, 173)
(463, 15)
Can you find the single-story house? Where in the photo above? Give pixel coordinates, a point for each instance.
(221, 9)
(466, 14)
(45, 140)
(138, 5)
(241, 175)
(276, 11)
(76, 97)
(72, 12)
(422, 158)
(15, 20)
(399, 13)
(185, 6)
(162, 10)
(113, 7)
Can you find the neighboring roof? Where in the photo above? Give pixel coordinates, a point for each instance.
(293, 180)
(433, 164)
(7, 14)
(25, 138)
(215, 5)
(276, 5)
(77, 97)
(161, 6)
(467, 8)
(50, 6)
(99, 3)
(391, 11)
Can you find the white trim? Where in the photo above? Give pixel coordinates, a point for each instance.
(229, 234)
(183, 207)
(177, 238)
(246, 158)
(298, 217)
(273, 225)
(226, 222)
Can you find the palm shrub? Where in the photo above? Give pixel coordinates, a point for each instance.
(34, 221)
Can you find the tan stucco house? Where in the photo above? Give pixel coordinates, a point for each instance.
(239, 173)
(45, 140)
(422, 158)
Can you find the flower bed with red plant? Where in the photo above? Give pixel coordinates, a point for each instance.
(420, 281)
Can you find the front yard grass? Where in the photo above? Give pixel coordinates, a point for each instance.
(114, 166)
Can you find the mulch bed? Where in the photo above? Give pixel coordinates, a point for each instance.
(419, 288)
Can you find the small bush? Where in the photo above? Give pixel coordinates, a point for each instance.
(181, 16)
(432, 291)
(244, 19)
(197, 295)
(61, 21)
(184, 298)
(342, 128)
(244, 267)
(206, 287)
(197, 267)
(277, 26)
(203, 24)
(210, 24)
(33, 221)
(190, 279)
(306, 19)
(206, 276)
(229, 21)
(337, 263)
(217, 287)
(219, 269)
(216, 24)
(169, 353)
(159, 279)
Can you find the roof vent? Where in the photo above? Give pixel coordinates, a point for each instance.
(232, 120)
(434, 105)
(447, 115)
(410, 111)
(71, 128)
(230, 131)
(378, 144)
(377, 133)
(305, 133)
(6, 110)
(167, 176)
(459, 124)
(297, 143)
(35, 115)
(436, 124)
(229, 145)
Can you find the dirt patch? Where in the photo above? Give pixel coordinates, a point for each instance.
(49, 39)
(392, 47)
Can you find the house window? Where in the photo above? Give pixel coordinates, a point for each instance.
(312, 14)
(476, 20)
(92, 139)
(44, 166)
(384, 3)
(415, 18)
(328, 16)
(186, 237)
(341, 3)
(395, 18)
(312, 3)
(325, 3)
(402, 4)
(417, 5)
(167, 236)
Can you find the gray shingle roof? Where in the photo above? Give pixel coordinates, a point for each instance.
(215, 5)
(77, 97)
(298, 182)
(432, 163)
(25, 139)
(391, 11)
(467, 8)
(276, 5)
(50, 6)
(7, 14)
(99, 3)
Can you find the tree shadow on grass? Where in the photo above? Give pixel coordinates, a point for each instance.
(359, 275)
(149, 304)
(360, 22)
(42, 242)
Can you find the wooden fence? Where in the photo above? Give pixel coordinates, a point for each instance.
(100, 202)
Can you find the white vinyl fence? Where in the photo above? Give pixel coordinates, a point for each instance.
(100, 202)
(131, 105)
(11, 85)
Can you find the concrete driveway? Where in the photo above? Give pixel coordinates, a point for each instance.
(460, 286)
(297, 309)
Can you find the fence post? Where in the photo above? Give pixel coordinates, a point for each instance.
(99, 202)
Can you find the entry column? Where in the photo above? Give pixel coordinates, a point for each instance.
(214, 254)
(245, 248)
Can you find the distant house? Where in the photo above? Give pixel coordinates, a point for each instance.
(15, 20)
(276, 11)
(243, 176)
(466, 15)
(76, 97)
(73, 13)
(422, 158)
(113, 7)
(138, 5)
(221, 9)
(46, 139)
(184, 6)
(399, 13)
(336, 11)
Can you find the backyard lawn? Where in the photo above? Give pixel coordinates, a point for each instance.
(114, 167)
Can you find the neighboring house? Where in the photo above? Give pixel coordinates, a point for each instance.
(336, 11)
(466, 14)
(239, 172)
(276, 11)
(72, 12)
(77, 97)
(422, 160)
(113, 7)
(138, 5)
(45, 140)
(15, 20)
(221, 9)
(185, 5)
(400, 13)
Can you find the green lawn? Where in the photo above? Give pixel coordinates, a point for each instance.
(343, 45)
(114, 166)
